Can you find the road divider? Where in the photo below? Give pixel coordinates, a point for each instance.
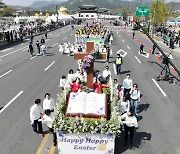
(12, 52)
(49, 65)
(42, 144)
(138, 59)
(33, 57)
(122, 53)
(52, 150)
(114, 66)
(11, 101)
(64, 38)
(25, 49)
(128, 47)
(159, 88)
(144, 54)
(54, 45)
(5, 50)
(5, 73)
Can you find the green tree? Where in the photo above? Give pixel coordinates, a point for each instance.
(159, 12)
(7, 11)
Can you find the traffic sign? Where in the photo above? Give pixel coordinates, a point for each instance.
(142, 11)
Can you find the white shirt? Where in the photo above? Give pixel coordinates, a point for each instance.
(106, 73)
(48, 120)
(71, 78)
(35, 112)
(135, 94)
(127, 83)
(61, 48)
(130, 121)
(83, 77)
(115, 86)
(124, 106)
(43, 47)
(62, 83)
(48, 104)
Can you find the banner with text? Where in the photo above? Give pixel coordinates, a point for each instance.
(85, 143)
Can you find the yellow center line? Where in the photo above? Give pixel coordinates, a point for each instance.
(42, 144)
(52, 150)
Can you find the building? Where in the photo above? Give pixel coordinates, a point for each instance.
(88, 11)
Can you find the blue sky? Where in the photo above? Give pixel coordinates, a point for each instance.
(29, 2)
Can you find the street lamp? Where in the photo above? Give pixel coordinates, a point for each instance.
(57, 13)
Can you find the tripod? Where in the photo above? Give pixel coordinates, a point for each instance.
(166, 72)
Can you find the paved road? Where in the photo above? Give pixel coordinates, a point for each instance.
(25, 79)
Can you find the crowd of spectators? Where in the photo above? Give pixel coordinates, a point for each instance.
(170, 37)
(8, 32)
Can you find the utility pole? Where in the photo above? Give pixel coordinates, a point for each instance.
(57, 13)
(137, 3)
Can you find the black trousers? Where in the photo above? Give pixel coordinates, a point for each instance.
(126, 93)
(141, 50)
(131, 130)
(54, 135)
(39, 50)
(37, 126)
(107, 57)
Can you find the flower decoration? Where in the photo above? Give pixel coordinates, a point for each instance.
(86, 62)
(80, 125)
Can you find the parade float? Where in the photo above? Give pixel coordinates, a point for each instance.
(87, 122)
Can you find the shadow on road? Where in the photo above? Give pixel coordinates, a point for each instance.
(7, 45)
(138, 138)
(143, 107)
(125, 72)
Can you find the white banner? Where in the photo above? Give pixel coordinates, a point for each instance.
(85, 143)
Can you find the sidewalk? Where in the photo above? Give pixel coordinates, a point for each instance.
(160, 41)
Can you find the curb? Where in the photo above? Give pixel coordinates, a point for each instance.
(4, 44)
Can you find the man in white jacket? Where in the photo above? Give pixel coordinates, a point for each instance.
(35, 114)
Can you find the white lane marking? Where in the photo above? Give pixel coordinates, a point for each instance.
(12, 100)
(156, 54)
(25, 49)
(71, 34)
(49, 65)
(114, 66)
(64, 38)
(6, 73)
(5, 50)
(119, 36)
(33, 57)
(122, 53)
(144, 55)
(53, 45)
(138, 59)
(47, 40)
(12, 52)
(167, 54)
(128, 47)
(159, 88)
(123, 40)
